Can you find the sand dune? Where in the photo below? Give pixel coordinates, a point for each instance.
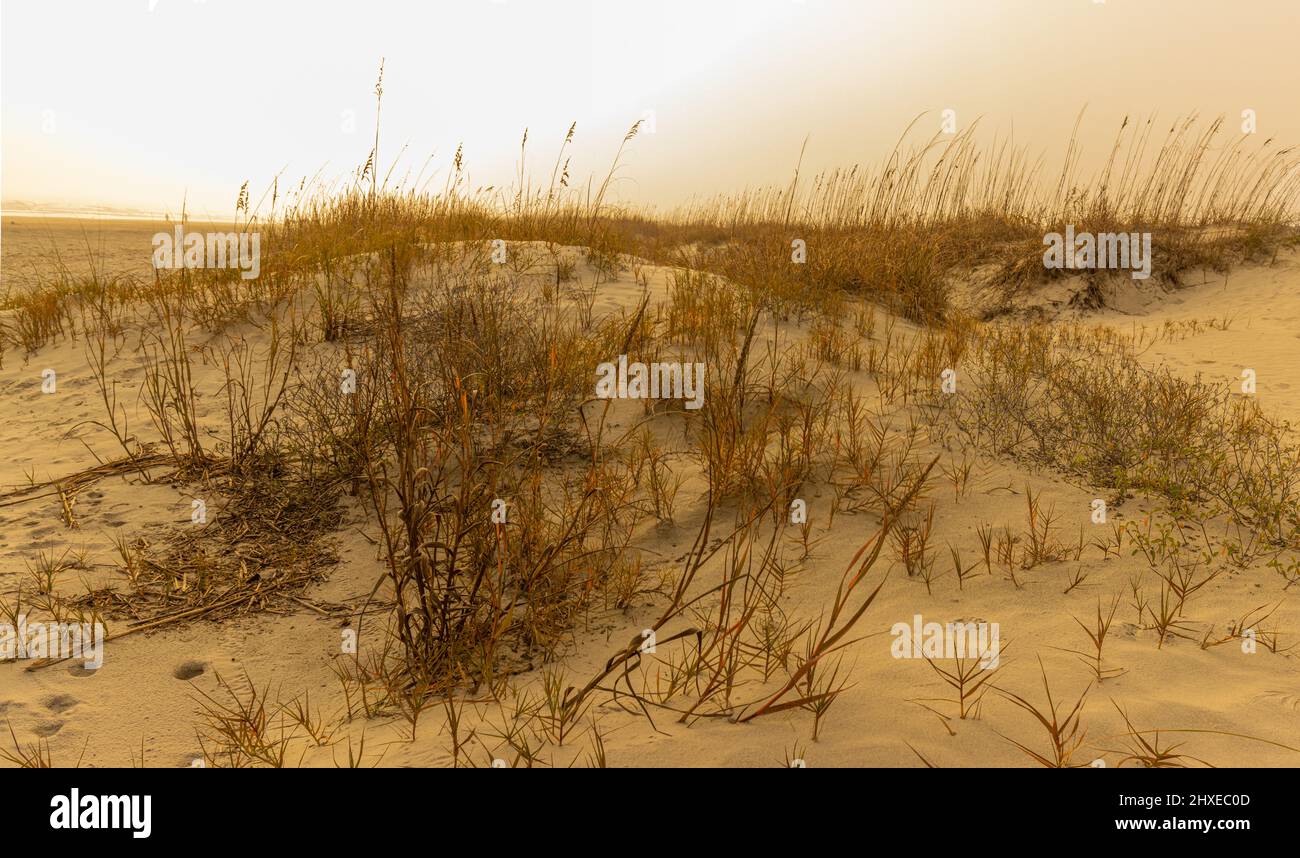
(149, 695)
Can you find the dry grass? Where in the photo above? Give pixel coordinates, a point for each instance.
(507, 507)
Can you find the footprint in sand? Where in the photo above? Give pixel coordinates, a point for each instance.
(60, 703)
(189, 669)
(47, 729)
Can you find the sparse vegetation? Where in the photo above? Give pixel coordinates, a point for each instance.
(418, 368)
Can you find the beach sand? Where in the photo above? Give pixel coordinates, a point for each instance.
(894, 711)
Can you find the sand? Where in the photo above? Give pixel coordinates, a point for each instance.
(146, 696)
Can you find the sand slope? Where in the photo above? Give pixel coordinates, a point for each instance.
(145, 695)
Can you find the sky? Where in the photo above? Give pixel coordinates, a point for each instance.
(144, 104)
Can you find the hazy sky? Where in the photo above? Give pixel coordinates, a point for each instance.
(136, 103)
